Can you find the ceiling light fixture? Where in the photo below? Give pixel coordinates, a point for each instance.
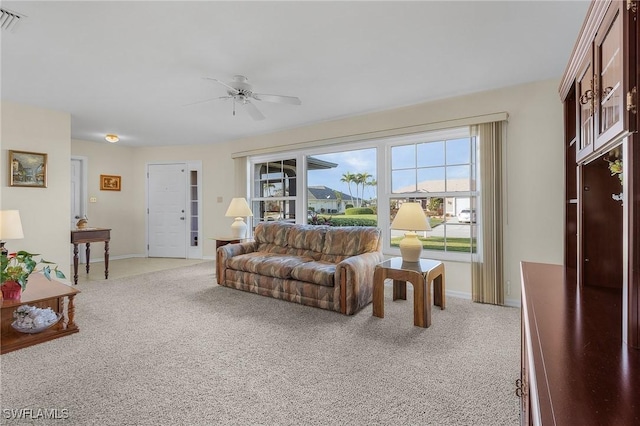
(112, 138)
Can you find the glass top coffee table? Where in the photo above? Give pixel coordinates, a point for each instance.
(420, 274)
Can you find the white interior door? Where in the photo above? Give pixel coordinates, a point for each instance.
(167, 192)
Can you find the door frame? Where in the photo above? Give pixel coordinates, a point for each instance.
(84, 193)
(194, 165)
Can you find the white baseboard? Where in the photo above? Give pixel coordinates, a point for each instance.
(458, 294)
(513, 303)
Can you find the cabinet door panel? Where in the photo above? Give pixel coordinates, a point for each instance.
(585, 96)
(609, 87)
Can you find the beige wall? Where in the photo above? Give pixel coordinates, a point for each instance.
(534, 223)
(113, 209)
(44, 211)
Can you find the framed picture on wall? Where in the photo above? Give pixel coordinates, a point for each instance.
(27, 169)
(110, 183)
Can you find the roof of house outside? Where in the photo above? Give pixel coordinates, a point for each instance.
(326, 193)
(439, 185)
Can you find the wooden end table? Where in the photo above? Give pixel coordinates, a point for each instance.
(88, 236)
(223, 241)
(420, 274)
(41, 293)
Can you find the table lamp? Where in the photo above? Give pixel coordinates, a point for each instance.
(10, 228)
(238, 209)
(411, 218)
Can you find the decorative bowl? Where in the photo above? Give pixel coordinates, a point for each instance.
(35, 330)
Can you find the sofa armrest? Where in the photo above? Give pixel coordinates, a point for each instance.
(227, 252)
(355, 277)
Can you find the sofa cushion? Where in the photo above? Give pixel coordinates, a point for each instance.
(272, 233)
(321, 273)
(268, 264)
(345, 241)
(307, 237)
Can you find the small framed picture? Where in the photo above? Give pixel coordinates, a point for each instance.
(110, 183)
(27, 169)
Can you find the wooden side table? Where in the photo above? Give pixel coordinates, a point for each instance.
(420, 274)
(41, 293)
(88, 236)
(223, 241)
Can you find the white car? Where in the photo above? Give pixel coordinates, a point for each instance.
(467, 216)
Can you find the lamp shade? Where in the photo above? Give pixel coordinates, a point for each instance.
(10, 225)
(411, 217)
(238, 208)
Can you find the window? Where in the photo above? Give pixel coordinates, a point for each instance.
(438, 171)
(338, 181)
(274, 190)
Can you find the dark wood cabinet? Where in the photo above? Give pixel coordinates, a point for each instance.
(599, 85)
(575, 368)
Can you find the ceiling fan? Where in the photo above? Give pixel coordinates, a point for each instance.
(241, 92)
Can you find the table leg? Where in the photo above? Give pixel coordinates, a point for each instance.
(88, 252)
(75, 264)
(438, 291)
(378, 293)
(71, 312)
(421, 303)
(106, 260)
(399, 290)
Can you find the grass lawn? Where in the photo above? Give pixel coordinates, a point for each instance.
(438, 243)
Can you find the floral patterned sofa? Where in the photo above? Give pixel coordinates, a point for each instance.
(322, 266)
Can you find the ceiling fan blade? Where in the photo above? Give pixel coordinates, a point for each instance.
(232, 89)
(292, 100)
(253, 111)
(206, 100)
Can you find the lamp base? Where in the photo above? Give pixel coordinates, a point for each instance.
(410, 247)
(238, 228)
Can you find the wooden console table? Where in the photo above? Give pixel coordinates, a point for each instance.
(88, 236)
(41, 293)
(420, 274)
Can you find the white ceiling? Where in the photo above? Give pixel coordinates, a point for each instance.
(129, 67)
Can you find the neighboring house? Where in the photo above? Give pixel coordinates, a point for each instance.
(323, 197)
(452, 205)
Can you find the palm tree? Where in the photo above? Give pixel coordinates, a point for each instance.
(361, 179)
(348, 178)
(372, 183)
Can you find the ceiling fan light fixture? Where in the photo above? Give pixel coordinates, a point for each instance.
(112, 138)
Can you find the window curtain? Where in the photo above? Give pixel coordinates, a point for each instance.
(487, 273)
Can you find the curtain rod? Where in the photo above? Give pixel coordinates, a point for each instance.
(397, 131)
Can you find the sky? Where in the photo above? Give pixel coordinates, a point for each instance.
(358, 161)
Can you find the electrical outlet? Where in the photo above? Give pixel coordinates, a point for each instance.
(508, 288)
(219, 199)
(93, 199)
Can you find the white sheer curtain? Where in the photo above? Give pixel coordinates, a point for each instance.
(487, 272)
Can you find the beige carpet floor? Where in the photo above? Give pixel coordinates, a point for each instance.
(174, 348)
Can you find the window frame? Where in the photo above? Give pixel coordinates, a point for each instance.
(384, 193)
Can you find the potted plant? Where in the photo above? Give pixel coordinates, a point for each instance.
(15, 269)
